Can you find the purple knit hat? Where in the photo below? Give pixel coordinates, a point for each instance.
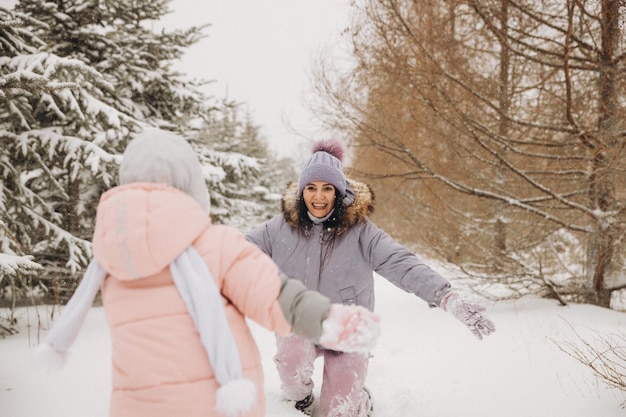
(324, 165)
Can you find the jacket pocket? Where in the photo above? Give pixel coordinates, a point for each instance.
(348, 295)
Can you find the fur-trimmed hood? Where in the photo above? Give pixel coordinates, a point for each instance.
(359, 210)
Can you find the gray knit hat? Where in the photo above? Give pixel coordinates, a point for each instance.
(324, 165)
(164, 157)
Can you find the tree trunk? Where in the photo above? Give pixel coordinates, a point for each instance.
(606, 151)
(503, 128)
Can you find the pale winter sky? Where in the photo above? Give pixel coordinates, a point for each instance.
(261, 53)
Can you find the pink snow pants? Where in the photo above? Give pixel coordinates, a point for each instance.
(342, 393)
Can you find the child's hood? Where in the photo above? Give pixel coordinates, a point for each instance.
(142, 227)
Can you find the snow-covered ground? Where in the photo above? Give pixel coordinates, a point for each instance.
(425, 364)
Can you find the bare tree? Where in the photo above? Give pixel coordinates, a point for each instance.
(605, 356)
(501, 123)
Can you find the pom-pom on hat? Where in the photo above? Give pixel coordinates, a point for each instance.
(325, 164)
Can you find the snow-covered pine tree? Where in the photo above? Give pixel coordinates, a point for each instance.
(116, 38)
(15, 264)
(78, 78)
(52, 169)
(78, 82)
(246, 180)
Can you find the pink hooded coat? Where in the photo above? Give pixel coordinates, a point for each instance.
(159, 365)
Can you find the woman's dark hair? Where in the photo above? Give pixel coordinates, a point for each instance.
(332, 226)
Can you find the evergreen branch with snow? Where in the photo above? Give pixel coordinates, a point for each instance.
(14, 264)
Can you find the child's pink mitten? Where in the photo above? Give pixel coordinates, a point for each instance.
(350, 328)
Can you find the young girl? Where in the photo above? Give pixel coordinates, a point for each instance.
(176, 291)
(324, 230)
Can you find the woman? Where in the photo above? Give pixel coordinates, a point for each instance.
(324, 238)
(177, 289)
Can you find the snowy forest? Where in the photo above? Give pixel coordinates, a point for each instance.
(78, 80)
(493, 131)
(503, 124)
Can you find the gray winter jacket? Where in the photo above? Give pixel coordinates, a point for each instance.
(343, 270)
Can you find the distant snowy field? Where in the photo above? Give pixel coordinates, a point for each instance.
(425, 364)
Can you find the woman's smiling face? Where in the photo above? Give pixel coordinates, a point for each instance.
(319, 197)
